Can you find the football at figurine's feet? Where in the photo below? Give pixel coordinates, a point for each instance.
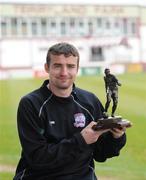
(105, 115)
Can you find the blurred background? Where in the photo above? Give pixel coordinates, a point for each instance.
(107, 33)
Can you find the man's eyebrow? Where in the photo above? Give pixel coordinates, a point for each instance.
(66, 63)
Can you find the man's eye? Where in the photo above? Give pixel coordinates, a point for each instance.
(71, 66)
(57, 65)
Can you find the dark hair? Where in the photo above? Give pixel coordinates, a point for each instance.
(62, 48)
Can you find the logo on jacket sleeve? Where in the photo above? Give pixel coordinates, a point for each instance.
(79, 120)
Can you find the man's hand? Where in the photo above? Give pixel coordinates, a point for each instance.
(90, 135)
(117, 133)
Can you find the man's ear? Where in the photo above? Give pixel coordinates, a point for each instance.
(46, 68)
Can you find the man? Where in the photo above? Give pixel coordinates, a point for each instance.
(55, 125)
(111, 86)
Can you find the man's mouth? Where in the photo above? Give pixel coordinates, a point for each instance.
(63, 79)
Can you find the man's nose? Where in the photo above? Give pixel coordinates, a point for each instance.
(64, 70)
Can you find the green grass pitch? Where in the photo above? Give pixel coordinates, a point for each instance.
(130, 165)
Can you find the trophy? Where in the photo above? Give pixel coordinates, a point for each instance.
(110, 122)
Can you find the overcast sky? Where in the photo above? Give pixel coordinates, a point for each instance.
(132, 2)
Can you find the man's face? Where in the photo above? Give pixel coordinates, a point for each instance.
(62, 71)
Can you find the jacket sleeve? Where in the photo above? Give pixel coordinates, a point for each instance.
(40, 154)
(107, 146)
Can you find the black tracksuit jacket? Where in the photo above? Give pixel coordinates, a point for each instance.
(49, 131)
